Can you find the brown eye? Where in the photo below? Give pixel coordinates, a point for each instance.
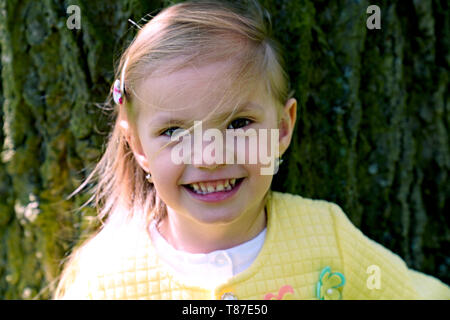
(239, 123)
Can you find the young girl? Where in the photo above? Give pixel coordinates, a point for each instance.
(213, 229)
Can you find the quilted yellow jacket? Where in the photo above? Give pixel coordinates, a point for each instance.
(311, 251)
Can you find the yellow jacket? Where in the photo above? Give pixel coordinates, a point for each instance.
(311, 251)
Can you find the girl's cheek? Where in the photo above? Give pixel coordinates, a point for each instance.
(167, 169)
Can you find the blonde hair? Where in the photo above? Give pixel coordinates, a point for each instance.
(185, 34)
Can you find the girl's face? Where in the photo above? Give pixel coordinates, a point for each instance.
(186, 96)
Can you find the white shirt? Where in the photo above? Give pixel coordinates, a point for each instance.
(207, 269)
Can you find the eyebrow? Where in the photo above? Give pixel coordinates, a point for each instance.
(219, 117)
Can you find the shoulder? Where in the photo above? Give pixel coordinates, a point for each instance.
(291, 206)
(105, 261)
(319, 211)
(289, 201)
(371, 271)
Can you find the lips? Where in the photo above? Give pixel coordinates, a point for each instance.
(208, 187)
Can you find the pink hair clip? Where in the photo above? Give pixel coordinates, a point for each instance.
(119, 88)
(117, 93)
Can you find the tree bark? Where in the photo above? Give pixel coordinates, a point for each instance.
(372, 130)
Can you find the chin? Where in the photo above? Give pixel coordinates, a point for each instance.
(218, 218)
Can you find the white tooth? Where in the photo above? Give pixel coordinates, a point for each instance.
(232, 182)
(226, 184)
(228, 188)
(195, 186)
(203, 187)
(210, 189)
(220, 187)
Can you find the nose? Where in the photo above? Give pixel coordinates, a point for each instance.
(209, 150)
(208, 156)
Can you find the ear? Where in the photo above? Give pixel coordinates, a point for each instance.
(134, 142)
(287, 123)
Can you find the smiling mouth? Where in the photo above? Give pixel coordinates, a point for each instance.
(213, 186)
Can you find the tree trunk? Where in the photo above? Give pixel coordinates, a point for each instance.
(372, 130)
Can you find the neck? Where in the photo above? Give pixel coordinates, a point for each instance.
(191, 236)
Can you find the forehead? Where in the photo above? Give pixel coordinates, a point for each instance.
(195, 90)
